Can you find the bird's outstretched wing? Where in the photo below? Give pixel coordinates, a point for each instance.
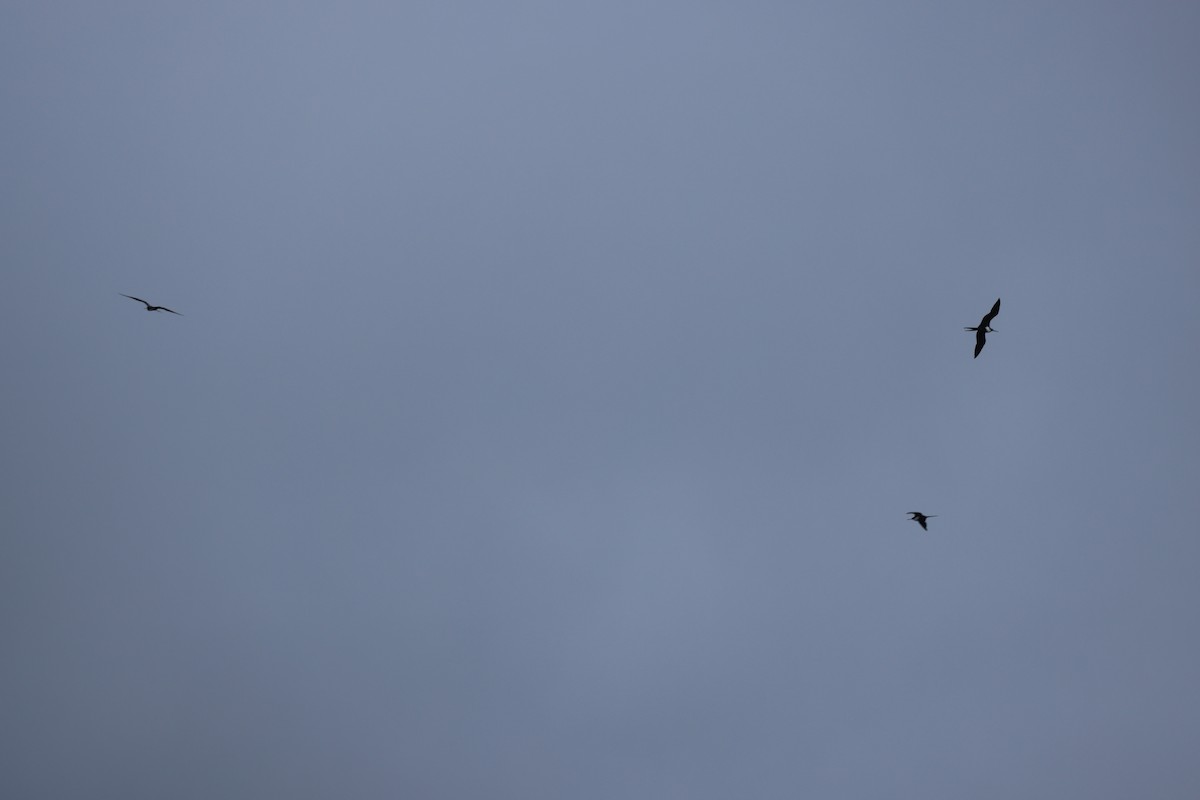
(980, 340)
(921, 522)
(164, 308)
(987, 320)
(140, 300)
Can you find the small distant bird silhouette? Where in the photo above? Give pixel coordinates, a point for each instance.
(984, 328)
(148, 306)
(920, 518)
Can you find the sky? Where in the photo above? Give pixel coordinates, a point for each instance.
(552, 384)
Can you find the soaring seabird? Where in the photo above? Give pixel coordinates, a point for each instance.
(920, 518)
(148, 306)
(984, 328)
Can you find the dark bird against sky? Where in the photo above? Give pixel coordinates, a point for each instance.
(920, 518)
(984, 328)
(148, 306)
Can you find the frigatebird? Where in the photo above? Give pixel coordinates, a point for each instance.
(920, 518)
(148, 306)
(984, 328)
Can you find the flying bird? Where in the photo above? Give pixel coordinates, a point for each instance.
(148, 306)
(984, 327)
(920, 518)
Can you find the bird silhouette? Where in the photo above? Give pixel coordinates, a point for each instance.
(920, 518)
(148, 306)
(984, 328)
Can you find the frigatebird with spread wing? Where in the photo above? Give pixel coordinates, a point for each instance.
(984, 328)
(920, 518)
(148, 306)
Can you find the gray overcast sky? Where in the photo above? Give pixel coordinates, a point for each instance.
(553, 383)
